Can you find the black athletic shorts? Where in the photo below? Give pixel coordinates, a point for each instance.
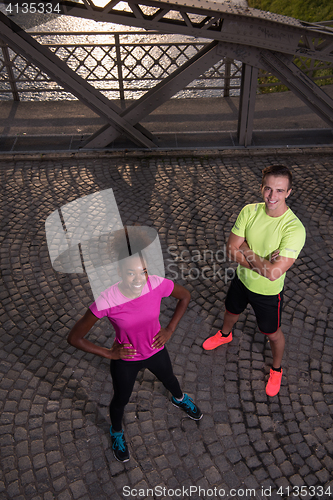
(267, 308)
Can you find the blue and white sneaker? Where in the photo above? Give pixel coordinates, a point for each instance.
(119, 446)
(188, 406)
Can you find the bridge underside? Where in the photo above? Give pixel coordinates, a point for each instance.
(257, 39)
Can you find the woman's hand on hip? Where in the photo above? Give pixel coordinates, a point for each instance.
(122, 351)
(161, 338)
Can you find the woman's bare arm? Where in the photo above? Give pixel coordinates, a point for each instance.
(80, 330)
(184, 297)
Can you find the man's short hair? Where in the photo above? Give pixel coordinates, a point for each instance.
(277, 171)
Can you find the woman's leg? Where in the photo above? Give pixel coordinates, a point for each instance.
(160, 366)
(123, 375)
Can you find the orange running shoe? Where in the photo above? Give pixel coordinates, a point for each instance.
(216, 340)
(274, 383)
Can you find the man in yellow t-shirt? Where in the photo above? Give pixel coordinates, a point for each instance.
(265, 241)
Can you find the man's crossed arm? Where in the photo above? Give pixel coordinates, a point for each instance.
(272, 268)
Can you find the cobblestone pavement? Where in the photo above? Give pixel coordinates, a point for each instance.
(54, 399)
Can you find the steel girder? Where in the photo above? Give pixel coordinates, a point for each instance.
(253, 59)
(40, 55)
(215, 20)
(194, 67)
(282, 66)
(246, 104)
(257, 32)
(119, 121)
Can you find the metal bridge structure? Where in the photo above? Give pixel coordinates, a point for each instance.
(260, 40)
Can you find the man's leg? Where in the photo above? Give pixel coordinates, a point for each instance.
(277, 343)
(223, 336)
(267, 309)
(229, 321)
(235, 302)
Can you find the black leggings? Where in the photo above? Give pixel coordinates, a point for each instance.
(124, 373)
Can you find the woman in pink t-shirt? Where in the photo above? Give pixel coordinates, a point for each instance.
(133, 308)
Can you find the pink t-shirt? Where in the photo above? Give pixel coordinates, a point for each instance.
(136, 321)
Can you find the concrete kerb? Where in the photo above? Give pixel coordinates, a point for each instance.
(196, 153)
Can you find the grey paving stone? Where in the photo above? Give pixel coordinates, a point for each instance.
(54, 438)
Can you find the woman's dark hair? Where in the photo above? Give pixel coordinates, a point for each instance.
(277, 171)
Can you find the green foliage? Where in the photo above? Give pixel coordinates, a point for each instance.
(305, 10)
(320, 72)
(268, 83)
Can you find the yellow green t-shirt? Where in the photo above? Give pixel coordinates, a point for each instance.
(264, 234)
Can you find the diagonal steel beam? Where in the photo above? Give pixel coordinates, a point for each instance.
(217, 26)
(230, 25)
(278, 64)
(168, 87)
(282, 66)
(297, 81)
(218, 21)
(42, 57)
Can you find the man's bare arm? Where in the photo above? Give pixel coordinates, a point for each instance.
(271, 269)
(234, 250)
